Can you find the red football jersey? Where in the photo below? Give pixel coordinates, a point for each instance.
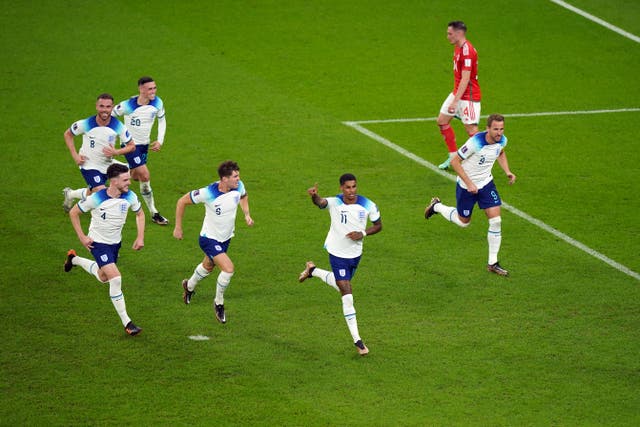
(466, 58)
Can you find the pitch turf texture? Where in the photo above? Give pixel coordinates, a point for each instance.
(269, 84)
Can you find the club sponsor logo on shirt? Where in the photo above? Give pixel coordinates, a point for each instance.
(123, 207)
(362, 215)
(112, 139)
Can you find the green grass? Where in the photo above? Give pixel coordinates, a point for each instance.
(268, 84)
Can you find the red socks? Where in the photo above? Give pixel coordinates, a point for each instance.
(449, 137)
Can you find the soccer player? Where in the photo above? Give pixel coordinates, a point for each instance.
(99, 134)
(139, 114)
(349, 212)
(108, 208)
(464, 101)
(473, 163)
(221, 201)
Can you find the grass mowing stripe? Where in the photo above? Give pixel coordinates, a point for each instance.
(597, 20)
(570, 240)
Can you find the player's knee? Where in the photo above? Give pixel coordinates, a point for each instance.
(224, 278)
(145, 187)
(495, 224)
(115, 286)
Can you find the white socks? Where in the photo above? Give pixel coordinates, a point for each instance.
(198, 274)
(222, 283)
(350, 316)
(326, 276)
(494, 237)
(348, 309)
(147, 195)
(80, 193)
(88, 265)
(117, 298)
(450, 214)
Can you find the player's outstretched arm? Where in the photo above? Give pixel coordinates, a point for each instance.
(315, 198)
(139, 242)
(180, 205)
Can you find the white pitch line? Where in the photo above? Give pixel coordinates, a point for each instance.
(570, 240)
(597, 20)
(547, 113)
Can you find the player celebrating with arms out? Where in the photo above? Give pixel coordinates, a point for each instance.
(464, 101)
(221, 201)
(349, 212)
(139, 114)
(473, 163)
(108, 208)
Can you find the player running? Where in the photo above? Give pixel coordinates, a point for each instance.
(221, 201)
(99, 135)
(473, 163)
(140, 112)
(348, 212)
(464, 101)
(108, 208)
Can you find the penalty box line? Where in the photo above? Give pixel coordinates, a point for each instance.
(358, 126)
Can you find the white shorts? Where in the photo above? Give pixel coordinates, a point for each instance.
(467, 111)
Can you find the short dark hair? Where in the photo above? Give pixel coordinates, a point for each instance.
(347, 177)
(145, 79)
(226, 168)
(494, 118)
(457, 25)
(104, 96)
(116, 169)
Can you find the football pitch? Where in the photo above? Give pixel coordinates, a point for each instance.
(298, 93)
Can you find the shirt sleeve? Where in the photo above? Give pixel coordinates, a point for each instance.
(374, 213)
(467, 58)
(468, 148)
(88, 204)
(124, 134)
(199, 196)
(78, 128)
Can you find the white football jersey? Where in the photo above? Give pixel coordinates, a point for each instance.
(478, 157)
(346, 218)
(95, 138)
(139, 118)
(108, 214)
(220, 210)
